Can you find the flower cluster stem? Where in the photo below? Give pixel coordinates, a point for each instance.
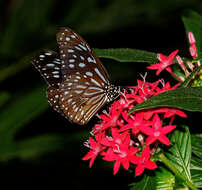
(177, 173)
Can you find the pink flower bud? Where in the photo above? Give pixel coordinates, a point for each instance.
(181, 63)
(193, 51)
(191, 38)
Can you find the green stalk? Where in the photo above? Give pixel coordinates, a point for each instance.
(177, 173)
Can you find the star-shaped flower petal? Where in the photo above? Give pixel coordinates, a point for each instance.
(143, 162)
(157, 132)
(112, 119)
(119, 150)
(164, 62)
(95, 148)
(170, 112)
(134, 122)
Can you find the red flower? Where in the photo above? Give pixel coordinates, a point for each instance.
(112, 119)
(156, 132)
(115, 138)
(170, 112)
(120, 151)
(134, 123)
(164, 63)
(166, 87)
(143, 162)
(95, 147)
(146, 90)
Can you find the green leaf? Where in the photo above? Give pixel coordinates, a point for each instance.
(164, 179)
(196, 141)
(144, 183)
(196, 161)
(196, 178)
(193, 23)
(190, 77)
(180, 152)
(127, 55)
(184, 98)
(196, 171)
(21, 110)
(4, 96)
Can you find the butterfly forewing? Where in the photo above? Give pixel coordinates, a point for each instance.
(49, 65)
(76, 55)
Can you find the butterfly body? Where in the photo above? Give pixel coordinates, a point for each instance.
(78, 82)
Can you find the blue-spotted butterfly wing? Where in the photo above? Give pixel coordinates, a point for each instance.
(81, 100)
(49, 65)
(74, 49)
(82, 92)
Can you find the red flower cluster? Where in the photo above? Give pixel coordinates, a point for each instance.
(131, 139)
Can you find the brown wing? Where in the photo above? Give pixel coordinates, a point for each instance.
(76, 54)
(53, 95)
(81, 97)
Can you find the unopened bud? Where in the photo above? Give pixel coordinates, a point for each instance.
(191, 38)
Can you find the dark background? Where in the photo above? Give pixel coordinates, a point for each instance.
(26, 27)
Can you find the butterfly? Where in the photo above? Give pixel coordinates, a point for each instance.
(78, 83)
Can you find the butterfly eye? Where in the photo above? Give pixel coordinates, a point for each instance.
(78, 82)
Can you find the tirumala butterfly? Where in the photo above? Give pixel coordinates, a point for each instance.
(78, 84)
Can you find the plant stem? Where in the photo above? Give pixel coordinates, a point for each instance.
(177, 173)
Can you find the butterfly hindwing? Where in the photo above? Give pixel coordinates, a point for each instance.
(80, 98)
(53, 95)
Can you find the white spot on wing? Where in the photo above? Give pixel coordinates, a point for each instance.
(89, 74)
(82, 57)
(78, 91)
(100, 75)
(81, 86)
(72, 60)
(95, 88)
(69, 100)
(70, 50)
(71, 66)
(48, 53)
(82, 65)
(95, 82)
(50, 65)
(69, 84)
(91, 59)
(55, 72)
(83, 47)
(78, 48)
